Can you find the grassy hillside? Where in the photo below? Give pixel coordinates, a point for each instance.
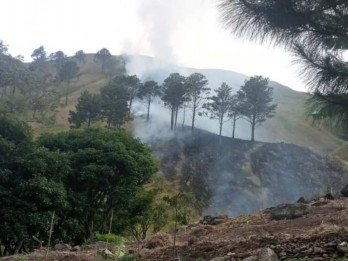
(289, 125)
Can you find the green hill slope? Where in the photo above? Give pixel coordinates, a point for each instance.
(289, 124)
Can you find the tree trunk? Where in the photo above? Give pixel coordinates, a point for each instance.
(13, 90)
(18, 247)
(67, 93)
(89, 122)
(234, 126)
(34, 113)
(172, 119)
(148, 109)
(253, 123)
(193, 118)
(252, 132)
(130, 105)
(220, 132)
(176, 116)
(183, 118)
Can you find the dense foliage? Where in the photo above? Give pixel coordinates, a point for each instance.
(82, 175)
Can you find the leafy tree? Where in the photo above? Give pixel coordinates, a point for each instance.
(88, 109)
(30, 187)
(220, 105)
(80, 56)
(114, 103)
(148, 91)
(198, 91)
(39, 54)
(256, 96)
(59, 58)
(174, 95)
(41, 97)
(39, 61)
(102, 56)
(132, 83)
(68, 72)
(316, 32)
(13, 73)
(107, 169)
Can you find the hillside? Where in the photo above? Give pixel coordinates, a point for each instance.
(289, 124)
(241, 177)
(315, 236)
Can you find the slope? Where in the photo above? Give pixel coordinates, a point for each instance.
(241, 177)
(289, 125)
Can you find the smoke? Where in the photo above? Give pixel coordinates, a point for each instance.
(160, 20)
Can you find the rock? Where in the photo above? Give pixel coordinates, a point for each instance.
(318, 250)
(282, 254)
(267, 254)
(62, 247)
(106, 254)
(250, 258)
(289, 211)
(76, 249)
(343, 247)
(301, 200)
(210, 220)
(344, 191)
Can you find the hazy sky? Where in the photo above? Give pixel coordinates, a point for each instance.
(185, 32)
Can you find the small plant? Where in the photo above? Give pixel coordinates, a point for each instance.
(111, 238)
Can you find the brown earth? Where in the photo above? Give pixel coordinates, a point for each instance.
(314, 236)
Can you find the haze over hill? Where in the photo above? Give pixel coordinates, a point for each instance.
(289, 125)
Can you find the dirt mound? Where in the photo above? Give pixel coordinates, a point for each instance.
(316, 235)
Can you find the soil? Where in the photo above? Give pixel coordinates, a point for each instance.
(314, 236)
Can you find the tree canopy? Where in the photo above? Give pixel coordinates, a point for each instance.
(219, 105)
(115, 103)
(197, 92)
(174, 95)
(102, 56)
(88, 110)
(148, 91)
(82, 175)
(255, 97)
